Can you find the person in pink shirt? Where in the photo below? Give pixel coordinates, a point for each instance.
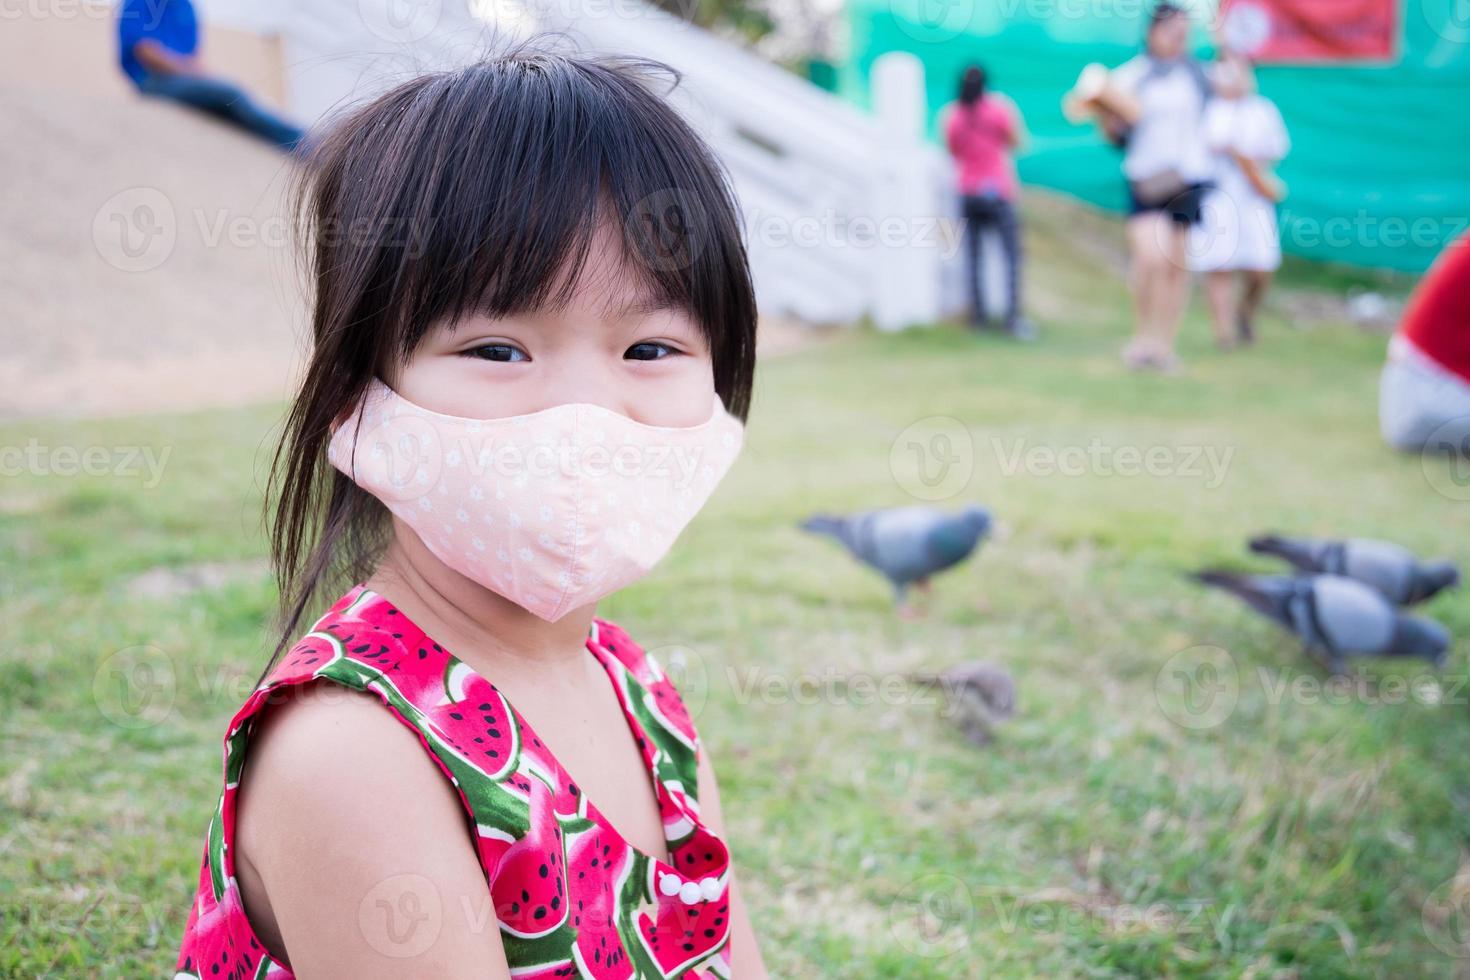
(982, 129)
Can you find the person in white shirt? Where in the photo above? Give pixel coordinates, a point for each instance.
(1167, 166)
(1238, 237)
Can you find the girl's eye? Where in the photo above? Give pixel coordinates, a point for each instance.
(648, 351)
(498, 352)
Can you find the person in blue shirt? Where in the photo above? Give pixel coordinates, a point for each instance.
(158, 45)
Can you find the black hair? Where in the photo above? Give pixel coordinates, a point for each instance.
(480, 190)
(972, 84)
(1165, 11)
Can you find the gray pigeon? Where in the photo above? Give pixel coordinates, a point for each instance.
(979, 696)
(1389, 568)
(1336, 617)
(907, 544)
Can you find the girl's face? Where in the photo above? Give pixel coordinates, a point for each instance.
(1232, 80)
(609, 346)
(1168, 38)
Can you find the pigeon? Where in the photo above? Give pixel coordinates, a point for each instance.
(1387, 567)
(979, 696)
(907, 544)
(1336, 617)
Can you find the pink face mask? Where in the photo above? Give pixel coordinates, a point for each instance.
(552, 510)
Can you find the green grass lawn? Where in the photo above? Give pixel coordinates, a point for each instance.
(1300, 835)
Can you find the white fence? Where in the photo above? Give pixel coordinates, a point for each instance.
(848, 215)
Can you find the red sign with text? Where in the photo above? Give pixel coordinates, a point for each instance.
(1311, 31)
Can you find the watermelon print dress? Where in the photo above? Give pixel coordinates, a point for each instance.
(572, 898)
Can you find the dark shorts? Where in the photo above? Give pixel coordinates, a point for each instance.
(1183, 209)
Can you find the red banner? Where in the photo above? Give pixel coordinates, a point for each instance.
(1311, 31)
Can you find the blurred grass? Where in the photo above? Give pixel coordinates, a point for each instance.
(1094, 838)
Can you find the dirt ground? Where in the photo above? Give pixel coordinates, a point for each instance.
(143, 264)
(146, 262)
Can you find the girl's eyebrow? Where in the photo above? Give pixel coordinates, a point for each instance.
(641, 306)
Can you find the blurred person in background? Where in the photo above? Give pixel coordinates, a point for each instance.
(158, 44)
(1167, 166)
(1424, 394)
(1238, 237)
(982, 130)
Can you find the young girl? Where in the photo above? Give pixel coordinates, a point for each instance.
(534, 347)
(1239, 237)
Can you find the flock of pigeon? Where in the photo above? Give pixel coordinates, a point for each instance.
(1343, 599)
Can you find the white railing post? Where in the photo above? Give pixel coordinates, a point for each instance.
(907, 270)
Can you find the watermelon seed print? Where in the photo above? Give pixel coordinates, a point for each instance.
(571, 897)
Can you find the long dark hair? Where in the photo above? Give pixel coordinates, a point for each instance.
(972, 85)
(479, 190)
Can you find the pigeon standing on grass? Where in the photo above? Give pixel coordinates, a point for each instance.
(907, 544)
(1389, 568)
(1336, 617)
(978, 697)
